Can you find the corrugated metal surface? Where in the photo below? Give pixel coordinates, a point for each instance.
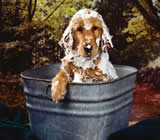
(90, 111)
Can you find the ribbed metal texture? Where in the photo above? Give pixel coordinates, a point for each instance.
(90, 111)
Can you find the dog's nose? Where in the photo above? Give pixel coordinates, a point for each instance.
(88, 48)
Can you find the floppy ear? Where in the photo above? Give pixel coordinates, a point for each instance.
(106, 42)
(66, 41)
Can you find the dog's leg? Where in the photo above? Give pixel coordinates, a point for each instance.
(59, 84)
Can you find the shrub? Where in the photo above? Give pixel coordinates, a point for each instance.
(149, 75)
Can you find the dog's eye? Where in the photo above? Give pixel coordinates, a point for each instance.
(79, 29)
(95, 28)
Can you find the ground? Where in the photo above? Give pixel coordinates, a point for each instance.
(146, 103)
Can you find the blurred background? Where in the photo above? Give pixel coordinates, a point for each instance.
(30, 31)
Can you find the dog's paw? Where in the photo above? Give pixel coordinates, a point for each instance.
(58, 90)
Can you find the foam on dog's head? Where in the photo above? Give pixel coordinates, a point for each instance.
(67, 40)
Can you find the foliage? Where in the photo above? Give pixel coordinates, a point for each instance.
(44, 48)
(41, 35)
(61, 16)
(10, 14)
(138, 28)
(143, 41)
(15, 56)
(141, 52)
(48, 24)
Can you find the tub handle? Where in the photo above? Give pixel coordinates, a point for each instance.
(48, 91)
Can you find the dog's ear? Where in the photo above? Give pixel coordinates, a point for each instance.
(106, 42)
(66, 41)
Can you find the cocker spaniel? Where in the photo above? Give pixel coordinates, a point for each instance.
(85, 41)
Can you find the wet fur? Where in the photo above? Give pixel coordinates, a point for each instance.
(85, 28)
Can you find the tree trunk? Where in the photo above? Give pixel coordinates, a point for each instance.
(149, 11)
(112, 13)
(0, 9)
(31, 10)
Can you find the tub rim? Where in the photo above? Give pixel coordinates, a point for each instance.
(22, 74)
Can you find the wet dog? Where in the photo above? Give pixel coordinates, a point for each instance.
(86, 41)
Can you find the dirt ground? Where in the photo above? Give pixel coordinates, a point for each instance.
(146, 103)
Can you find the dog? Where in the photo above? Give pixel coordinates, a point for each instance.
(85, 41)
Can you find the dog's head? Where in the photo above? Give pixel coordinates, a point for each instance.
(86, 35)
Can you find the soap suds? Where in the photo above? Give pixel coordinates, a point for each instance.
(87, 26)
(85, 63)
(98, 41)
(106, 67)
(85, 14)
(77, 77)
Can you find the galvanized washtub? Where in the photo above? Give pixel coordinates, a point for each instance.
(90, 111)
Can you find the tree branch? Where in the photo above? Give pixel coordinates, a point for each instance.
(34, 9)
(30, 11)
(54, 10)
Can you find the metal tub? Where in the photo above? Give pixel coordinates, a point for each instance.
(90, 111)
